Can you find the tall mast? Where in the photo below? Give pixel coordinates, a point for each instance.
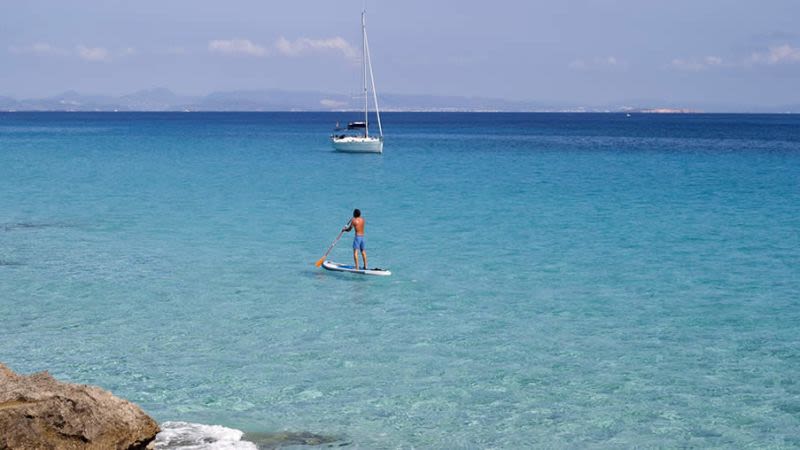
(372, 80)
(364, 60)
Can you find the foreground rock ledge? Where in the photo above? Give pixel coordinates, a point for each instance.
(40, 412)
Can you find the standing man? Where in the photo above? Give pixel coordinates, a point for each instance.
(358, 243)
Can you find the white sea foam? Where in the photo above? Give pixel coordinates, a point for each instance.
(195, 436)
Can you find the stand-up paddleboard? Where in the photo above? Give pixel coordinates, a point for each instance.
(330, 265)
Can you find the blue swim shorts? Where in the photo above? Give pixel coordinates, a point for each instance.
(358, 243)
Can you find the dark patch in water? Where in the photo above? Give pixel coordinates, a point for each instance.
(790, 407)
(10, 263)
(29, 226)
(705, 433)
(269, 441)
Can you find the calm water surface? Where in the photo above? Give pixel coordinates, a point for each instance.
(584, 281)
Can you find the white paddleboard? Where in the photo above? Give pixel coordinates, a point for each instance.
(330, 265)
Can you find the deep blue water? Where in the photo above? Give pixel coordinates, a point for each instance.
(559, 280)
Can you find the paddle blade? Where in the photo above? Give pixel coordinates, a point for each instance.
(320, 261)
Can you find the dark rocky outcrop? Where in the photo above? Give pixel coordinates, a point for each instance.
(40, 412)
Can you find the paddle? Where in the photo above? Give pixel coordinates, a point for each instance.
(322, 260)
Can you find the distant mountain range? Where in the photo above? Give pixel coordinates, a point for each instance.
(161, 99)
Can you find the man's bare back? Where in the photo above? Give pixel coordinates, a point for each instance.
(357, 222)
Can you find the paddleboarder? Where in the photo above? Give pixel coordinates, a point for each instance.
(357, 222)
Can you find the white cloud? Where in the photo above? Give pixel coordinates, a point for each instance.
(328, 103)
(236, 46)
(80, 51)
(695, 65)
(578, 64)
(774, 55)
(599, 63)
(93, 53)
(780, 54)
(39, 48)
(43, 48)
(285, 47)
(304, 45)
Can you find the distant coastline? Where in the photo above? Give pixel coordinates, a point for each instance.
(276, 100)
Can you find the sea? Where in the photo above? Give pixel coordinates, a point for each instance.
(558, 280)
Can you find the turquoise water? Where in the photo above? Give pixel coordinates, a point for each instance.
(584, 281)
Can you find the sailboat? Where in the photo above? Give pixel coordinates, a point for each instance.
(355, 138)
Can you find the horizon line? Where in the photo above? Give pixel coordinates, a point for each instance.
(403, 111)
(162, 99)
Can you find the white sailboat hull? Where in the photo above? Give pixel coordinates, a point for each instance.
(356, 137)
(358, 144)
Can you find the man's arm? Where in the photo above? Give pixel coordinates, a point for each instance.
(348, 227)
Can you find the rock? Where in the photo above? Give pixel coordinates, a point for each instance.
(40, 412)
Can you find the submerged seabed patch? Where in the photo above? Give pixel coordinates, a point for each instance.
(10, 263)
(30, 226)
(266, 441)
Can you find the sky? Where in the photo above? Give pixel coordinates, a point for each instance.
(565, 52)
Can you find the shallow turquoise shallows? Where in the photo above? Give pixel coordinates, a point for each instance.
(574, 281)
